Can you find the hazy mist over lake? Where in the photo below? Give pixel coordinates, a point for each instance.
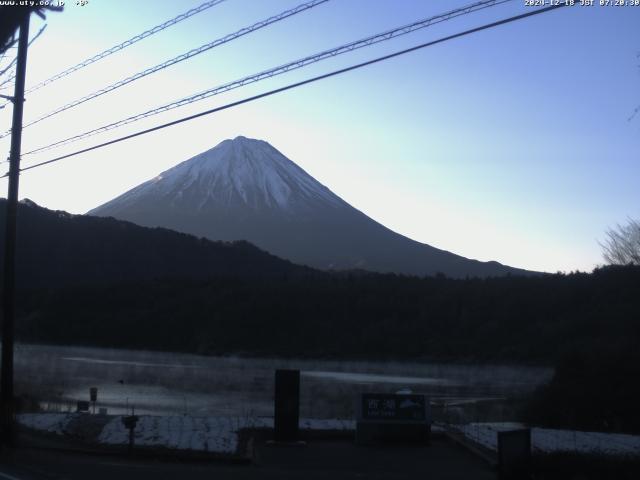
(169, 383)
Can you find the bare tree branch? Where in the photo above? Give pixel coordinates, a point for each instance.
(622, 245)
(16, 57)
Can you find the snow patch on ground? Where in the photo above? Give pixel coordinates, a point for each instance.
(220, 434)
(546, 440)
(326, 424)
(178, 432)
(209, 434)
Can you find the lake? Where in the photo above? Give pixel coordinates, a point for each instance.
(168, 383)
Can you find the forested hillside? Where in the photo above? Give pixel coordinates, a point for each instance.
(521, 319)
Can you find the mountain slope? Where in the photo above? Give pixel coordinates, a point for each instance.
(57, 249)
(246, 189)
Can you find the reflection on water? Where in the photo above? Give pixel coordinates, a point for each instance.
(170, 383)
(125, 362)
(368, 378)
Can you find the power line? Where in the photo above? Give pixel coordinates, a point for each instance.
(5, 81)
(127, 43)
(380, 37)
(185, 56)
(301, 83)
(5, 48)
(8, 67)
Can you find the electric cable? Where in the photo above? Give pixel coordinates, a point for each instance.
(184, 56)
(127, 43)
(365, 42)
(301, 83)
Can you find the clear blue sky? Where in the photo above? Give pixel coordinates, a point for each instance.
(511, 144)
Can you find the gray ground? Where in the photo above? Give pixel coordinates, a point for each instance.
(335, 459)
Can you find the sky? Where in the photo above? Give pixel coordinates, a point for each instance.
(512, 144)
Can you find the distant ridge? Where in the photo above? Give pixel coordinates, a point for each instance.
(245, 189)
(58, 249)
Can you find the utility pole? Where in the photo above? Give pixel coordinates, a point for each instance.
(9, 273)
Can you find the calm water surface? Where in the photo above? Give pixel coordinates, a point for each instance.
(169, 383)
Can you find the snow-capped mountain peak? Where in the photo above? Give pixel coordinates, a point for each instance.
(245, 189)
(240, 170)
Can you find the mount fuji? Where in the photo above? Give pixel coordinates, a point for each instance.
(245, 189)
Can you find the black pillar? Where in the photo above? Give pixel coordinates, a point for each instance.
(287, 405)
